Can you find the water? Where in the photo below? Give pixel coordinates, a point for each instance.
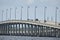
(26, 38)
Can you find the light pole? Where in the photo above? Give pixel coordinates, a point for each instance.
(6, 13)
(10, 13)
(28, 13)
(35, 12)
(15, 12)
(21, 12)
(56, 16)
(45, 14)
(2, 14)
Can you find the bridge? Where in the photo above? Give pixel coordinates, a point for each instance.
(29, 28)
(39, 28)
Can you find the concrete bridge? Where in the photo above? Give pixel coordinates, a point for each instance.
(29, 28)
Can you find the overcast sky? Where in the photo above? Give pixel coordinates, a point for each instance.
(51, 6)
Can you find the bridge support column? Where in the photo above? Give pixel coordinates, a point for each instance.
(4, 29)
(50, 32)
(28, 29)
(13, 29)
(19, 29)
(0, 29)
(31, 29)
(38, 30)
(41, 28)
(8, 28)
(25, 29)
(46, 31)
(22, 29)
(16, 29)
(57, 33)
(35, 30)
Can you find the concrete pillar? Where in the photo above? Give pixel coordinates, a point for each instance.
(35, 30)
(8, 28)
(19, 28)
(41, 31)
(50, 31)
(38, 30)
(0, 29)
(22, 28)
(28, 29)
(57, 34)
(3, 29)
(13, 29)
(46, 31)
(31, 29)
(25, 29)
(16, 28)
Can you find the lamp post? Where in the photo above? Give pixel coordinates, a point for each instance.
(21, 12)
(56, 16)
(6, 13)
(28, 13)
(45, 14)
(15, 12)
(2, 14)
(10, 13)
(35, 12)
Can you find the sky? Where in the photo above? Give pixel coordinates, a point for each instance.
(50, 11)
